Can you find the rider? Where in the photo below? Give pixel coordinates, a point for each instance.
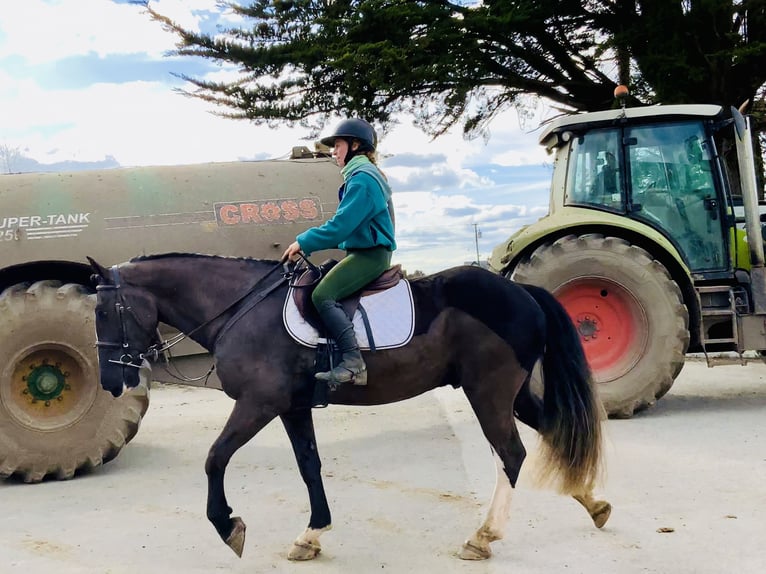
(363, 226)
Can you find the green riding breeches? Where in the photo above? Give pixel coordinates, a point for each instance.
(353, 272)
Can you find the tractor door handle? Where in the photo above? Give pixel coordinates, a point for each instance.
(711, 205)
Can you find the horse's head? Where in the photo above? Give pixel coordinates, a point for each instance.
(126, 321)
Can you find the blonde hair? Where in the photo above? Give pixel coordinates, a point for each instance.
(373, 157)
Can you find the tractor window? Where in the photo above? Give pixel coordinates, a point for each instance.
(594, 177)
(672, 189)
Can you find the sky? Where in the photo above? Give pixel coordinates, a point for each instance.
(88, 83)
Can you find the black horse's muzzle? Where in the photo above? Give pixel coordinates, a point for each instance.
(123, 374)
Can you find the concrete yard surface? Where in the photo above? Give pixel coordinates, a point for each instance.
(407, 483)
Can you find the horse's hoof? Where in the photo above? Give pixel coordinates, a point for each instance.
(470, 551)
(236, 540)
(304, 551)
(601, 514)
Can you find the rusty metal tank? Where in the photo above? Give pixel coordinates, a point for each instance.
(54, 417)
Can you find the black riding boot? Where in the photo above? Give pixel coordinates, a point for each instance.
(352, 367)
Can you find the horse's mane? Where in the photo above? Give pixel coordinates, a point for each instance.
(198, 256)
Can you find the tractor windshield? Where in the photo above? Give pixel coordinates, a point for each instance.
(673, 188)
(661, 174)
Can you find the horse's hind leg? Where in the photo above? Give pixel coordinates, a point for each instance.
(477, 546)
(299, 425)
(529, 410)
(492, 402)
(243, 424)
(599, 510)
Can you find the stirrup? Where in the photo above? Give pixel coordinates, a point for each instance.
(342, 374)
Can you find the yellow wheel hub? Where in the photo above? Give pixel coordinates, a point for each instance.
(48, 389)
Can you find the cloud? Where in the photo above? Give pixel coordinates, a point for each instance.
(409, 159)
(139, 123)
(78, 28)
(461, 211)
(436, 231)
(436, 176)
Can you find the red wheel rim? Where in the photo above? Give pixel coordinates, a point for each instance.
(611, 323)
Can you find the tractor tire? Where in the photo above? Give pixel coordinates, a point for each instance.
(629, 312)
(54, 416)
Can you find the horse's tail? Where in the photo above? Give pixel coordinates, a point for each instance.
(572, 412)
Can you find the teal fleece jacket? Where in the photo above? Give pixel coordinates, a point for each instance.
(362, 219)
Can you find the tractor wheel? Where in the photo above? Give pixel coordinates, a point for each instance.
(630, 314)
(54, 416)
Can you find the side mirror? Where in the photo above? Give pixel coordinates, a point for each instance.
(739, 123)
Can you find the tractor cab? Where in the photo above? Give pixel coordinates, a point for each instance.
(668, 173)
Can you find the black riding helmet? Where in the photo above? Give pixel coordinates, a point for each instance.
(353, 129)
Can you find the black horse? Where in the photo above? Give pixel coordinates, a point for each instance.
(473, 330)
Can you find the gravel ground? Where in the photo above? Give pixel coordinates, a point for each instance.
(407, 484)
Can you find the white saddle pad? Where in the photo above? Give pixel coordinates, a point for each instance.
(391, 314)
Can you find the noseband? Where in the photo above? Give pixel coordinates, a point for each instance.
(127, 359)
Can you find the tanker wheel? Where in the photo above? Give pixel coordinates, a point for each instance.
(54, 416)
(630, 314)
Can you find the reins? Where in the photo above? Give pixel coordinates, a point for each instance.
(318, 271)
(251, 299)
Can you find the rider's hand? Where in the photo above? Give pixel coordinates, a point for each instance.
(291, 253)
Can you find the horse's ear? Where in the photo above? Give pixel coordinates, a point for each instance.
(101, 274)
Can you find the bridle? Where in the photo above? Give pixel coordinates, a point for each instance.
(132, 357)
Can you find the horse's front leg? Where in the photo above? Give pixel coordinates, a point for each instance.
(299, 425)
(243, 424)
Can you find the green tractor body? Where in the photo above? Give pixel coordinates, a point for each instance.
(645, 243)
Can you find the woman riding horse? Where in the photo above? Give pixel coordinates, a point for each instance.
(363, 226)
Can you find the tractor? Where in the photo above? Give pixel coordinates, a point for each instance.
(652, 242)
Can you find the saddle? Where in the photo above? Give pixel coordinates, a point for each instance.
(304, 286)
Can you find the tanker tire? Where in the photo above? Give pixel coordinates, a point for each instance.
(628, 310)
(55, 418)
